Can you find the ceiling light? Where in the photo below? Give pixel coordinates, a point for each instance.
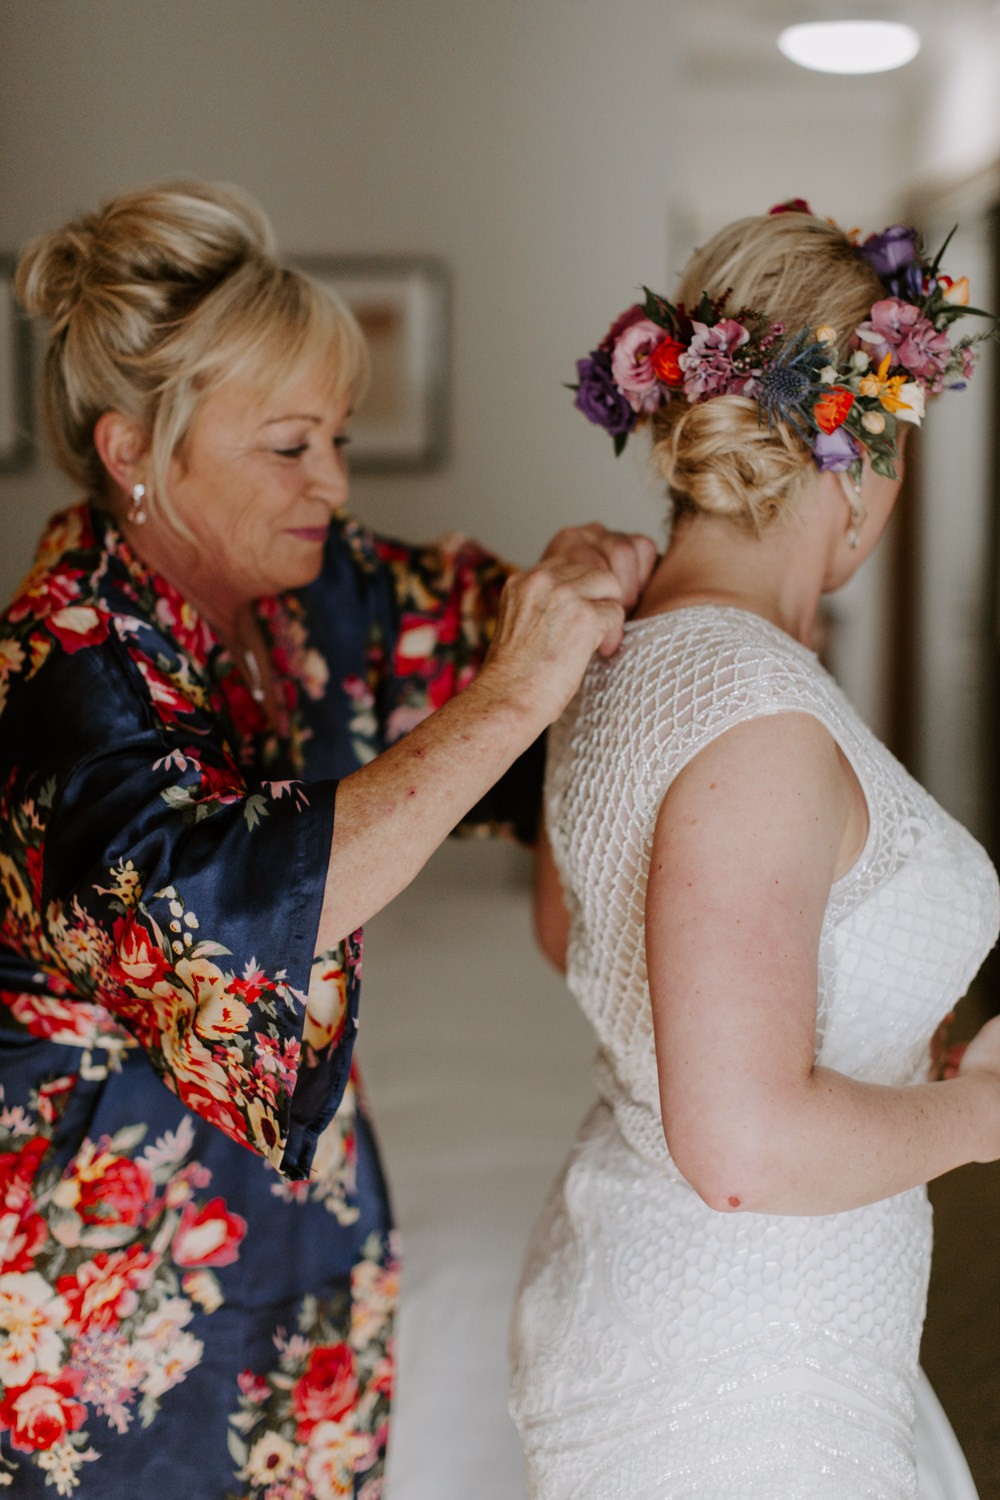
(850, 46)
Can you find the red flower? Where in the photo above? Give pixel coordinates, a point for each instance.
(103, 1290)
(78, 626)
(118, 1195)
(168, 700)
(23, 1232)
(327, 1388)
(137, 960)
(208, 1236)
(219, 783)
(46, 593)
(53, 1097)
(665, 357)
(832, 407)
(791, 206)
(41, 1413)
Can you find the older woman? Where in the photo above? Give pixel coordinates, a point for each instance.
(764, 917)
(197, 1268)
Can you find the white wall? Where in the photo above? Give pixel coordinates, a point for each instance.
(528, 144)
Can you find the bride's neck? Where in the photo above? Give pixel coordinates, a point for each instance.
(712, 560)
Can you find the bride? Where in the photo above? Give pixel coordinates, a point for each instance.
(764, 918)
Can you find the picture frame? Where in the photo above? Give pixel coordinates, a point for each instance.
(16, 407)
(402, 303)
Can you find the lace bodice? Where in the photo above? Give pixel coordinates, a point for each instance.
(905, 930)
(662, 1351)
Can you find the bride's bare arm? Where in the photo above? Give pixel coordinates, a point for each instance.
(749, 840)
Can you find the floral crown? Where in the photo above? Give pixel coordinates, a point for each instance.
(656, 353)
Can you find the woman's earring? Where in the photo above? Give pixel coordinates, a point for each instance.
(857, 512)
(137, 511)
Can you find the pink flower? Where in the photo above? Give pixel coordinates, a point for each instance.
(708, 363)
(633, 314)
(900, 330)
(632, 365)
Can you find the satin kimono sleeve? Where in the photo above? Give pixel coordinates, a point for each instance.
(153, 887)
(421, 618)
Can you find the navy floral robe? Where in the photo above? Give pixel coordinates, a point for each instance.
(197, 1263)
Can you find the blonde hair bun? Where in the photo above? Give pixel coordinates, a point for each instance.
(720, 457)
(155, 300)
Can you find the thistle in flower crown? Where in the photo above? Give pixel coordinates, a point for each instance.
(657, 352)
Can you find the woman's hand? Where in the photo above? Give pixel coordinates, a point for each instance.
(983, 1053)
(552, 618)
(393, 813)
(630, 556)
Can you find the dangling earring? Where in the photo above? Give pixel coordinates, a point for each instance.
(137, 511)
(855, 508)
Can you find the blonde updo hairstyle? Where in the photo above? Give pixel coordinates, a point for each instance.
(155, 301)
(718, 456)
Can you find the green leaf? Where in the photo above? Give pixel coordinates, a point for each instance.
(940, 255)
(177, 796)
(237, 1448)
(621, 438)
(255, 808)
(882, 464)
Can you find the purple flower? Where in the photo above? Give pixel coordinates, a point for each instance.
(835, 450)
(599, 398)
(708, 362)
(632, 365)
(891, 251)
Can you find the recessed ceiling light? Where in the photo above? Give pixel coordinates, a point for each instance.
(850, 46)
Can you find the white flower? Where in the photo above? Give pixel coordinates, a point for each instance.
(873, 421)
(860, 360)
(30, 1317)
(168, 1367)
(270, 1458)
(828, 374)
(913, 410)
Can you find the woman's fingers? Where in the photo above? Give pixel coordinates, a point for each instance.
(552, 619)
(630, 556)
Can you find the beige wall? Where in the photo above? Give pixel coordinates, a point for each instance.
(528, 144)
(555, 153)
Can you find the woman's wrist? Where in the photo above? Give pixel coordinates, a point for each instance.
(981, 1087)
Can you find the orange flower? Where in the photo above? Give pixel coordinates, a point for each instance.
(665, 361)
(832, 407)
(885, 387)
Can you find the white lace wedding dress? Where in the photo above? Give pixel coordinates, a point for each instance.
(660, 1349)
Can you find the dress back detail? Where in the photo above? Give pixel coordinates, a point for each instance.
(905, 930)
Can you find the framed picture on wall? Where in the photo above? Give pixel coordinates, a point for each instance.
(15, 376)
(402, 305)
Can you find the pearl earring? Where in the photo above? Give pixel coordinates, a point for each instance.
(137, 511)
(857, 512)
